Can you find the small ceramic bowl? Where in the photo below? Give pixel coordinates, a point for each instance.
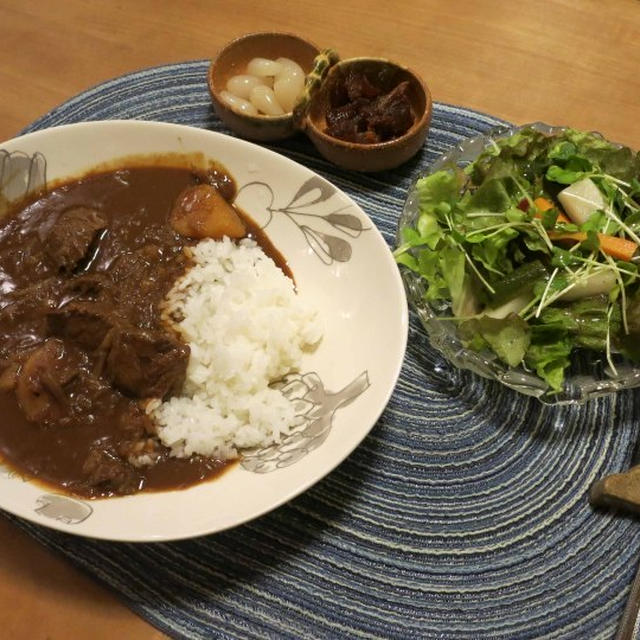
(233, 60)
(376, 156)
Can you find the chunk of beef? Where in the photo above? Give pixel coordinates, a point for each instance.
(86, 323)
(139, 278)
(127, 265)
(9, 369)
(147, 364)
(142, 452)
(22, 316)
(41, 382)
(136, 440)
(106, 470)
(142, 263)
(69, 240)
(87, 286)
(30, 301)
(134, 423)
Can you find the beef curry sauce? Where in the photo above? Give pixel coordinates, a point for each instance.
(84, 270)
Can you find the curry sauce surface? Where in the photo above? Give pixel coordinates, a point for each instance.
(62, 319)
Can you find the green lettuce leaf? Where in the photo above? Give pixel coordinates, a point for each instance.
(548, 354)
(559, 174)
(437, 188)
(587, 321)
(452, 266)
(428, 266)
(508, 337)
(491, 195)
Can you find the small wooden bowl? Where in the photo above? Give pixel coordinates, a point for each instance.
(377, 156)
(233, 60)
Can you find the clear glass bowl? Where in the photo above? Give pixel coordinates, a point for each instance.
(589, 376)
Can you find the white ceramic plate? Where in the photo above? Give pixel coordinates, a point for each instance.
(338, 258)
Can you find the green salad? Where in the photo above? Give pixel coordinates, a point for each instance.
(533, 246)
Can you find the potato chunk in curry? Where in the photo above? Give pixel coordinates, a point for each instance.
(200, 212)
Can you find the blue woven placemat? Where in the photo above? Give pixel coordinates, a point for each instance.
(463, 514)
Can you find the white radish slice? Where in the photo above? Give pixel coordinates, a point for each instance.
(265, 101)
(263, 67)
(600, 282)
(242, 84)
(287, 87)
(238, 104)
(515, 305)
(581, 199)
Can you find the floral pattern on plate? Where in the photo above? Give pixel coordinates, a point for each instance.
(323, 227)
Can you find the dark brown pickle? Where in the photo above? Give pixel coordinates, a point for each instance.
(362, 112)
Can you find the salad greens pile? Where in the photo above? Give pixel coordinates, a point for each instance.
(534, 246)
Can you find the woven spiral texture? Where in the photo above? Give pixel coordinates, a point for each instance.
(463, 514)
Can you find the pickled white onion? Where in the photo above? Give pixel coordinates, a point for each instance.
(242, 84)
(263, 67)
(279, 83)
(264, 99)
(238, 104)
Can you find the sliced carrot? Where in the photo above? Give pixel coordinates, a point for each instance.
(542, 204)
(618, 248)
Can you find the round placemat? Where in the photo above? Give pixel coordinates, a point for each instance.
(463, 514)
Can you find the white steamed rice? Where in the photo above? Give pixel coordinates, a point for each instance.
(246, 327)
